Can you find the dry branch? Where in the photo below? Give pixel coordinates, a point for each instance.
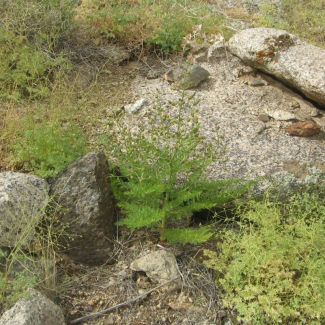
(99, 313)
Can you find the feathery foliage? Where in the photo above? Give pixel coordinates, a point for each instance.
(160, 176)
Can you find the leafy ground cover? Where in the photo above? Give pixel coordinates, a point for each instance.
(271, 269)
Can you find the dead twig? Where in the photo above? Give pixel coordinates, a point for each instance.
(99, 313)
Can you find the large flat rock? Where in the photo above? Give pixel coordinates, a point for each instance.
(284, 56)
(254, 112)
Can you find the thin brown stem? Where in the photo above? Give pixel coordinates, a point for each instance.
(105, 311)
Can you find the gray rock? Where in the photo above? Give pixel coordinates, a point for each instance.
(82, 192)
(187, 77)
(23, 199)
(159, 266)
(252, 150)
(256, 82)
(264, 117)
(132, 108)
(282, 115)
(152, 74)
(285, 56)
(216, 52)
(35, 309)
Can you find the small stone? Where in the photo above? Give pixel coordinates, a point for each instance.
(35, 309)
(256, 82)
(314, 112)
(22, 201)
(132, 108)
(281, 115)
(304, 129)
(152, 74)
(159, 266)
(88, 309)
(187, 77)
(264, 117)
(294, 104)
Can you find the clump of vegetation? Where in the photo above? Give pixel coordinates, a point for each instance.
(272, 270)
(31, 36)
(48, 148)
(138, 22)
(160, 175)
(31, 265)
(302, 18)
(12, 288)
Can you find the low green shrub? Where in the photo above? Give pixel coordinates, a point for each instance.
(47, 149)
(170, 34)
(31, 37)
(45, 24)
(160, 174)
(272, 270)
(159, 23)
(24, 71)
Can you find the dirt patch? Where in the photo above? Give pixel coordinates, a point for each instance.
(87, 290)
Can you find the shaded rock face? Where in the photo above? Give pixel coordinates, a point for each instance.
(23, 199)
(35, 309)
(285, 56)
(83, 195)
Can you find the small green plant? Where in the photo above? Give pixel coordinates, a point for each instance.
(272, 270)
(31, 261)
(47, 149)
(170, 34)
(14, 288)
(160, 174)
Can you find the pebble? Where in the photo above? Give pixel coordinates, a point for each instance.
(187, 77)
(256, 83)
(132, 108)
(281, 115)
(264, 117)
(304, 129)
(152, 74)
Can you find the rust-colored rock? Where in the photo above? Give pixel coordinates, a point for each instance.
(304, 129)
(284, 56)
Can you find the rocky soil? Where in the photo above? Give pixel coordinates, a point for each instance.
(87, 290)
(253, 111)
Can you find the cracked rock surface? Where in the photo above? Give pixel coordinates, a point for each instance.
(253, 120)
